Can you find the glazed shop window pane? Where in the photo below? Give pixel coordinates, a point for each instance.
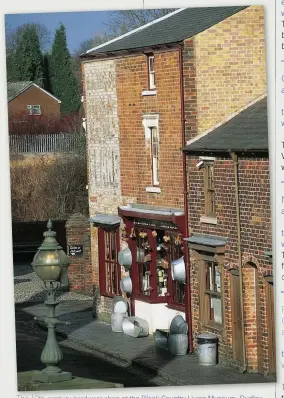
(176, 252)
(162, 264)
(143, 258)
(213, 293)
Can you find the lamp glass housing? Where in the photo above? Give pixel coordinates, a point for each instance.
(47, 265)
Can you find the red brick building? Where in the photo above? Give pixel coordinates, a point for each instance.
(27, 99)
(146, 94)
(230, 243)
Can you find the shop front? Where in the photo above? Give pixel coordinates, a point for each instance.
(155, 239)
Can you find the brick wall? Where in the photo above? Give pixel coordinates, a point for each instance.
(230, 69)
(255, 215)
(80, 269)
(132, 79)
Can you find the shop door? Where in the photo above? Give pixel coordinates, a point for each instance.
(237, 335)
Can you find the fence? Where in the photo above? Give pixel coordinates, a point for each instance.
(44, 143)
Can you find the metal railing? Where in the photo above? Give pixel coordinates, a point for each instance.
(44, 143)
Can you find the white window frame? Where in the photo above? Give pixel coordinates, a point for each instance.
(38, 106)
(30, 109)
(151, 122)
(151, 72)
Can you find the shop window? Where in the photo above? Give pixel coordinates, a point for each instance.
(155, 249)
(110, 274)
(176, 289)
(151, 72)
(209, 189)
(143, 260)
(211, 294)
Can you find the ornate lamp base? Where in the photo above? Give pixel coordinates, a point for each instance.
(51, 354)
(45, 377)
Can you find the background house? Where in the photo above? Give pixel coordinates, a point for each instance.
(27, 99)
(146, 93)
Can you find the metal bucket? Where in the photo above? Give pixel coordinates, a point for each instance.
(177, 327)
(135, 327)
(119, 304)
(207, 349)
(161, 339)
(125, 257)
(178, 270)
(126, 285)
(116, 321)
(178, 344)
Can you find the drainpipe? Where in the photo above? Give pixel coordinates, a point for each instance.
(236, 163)
(188, 314)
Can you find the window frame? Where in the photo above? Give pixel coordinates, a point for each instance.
(209, 189)
(206, 295)
(30, 109)
(151, 72)
(150, 122)
(104, 235)
(39, 108)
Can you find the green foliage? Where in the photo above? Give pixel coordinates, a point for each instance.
(46, 73)
(28, 57)
(64, 84)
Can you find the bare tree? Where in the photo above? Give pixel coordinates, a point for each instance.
(121, 22)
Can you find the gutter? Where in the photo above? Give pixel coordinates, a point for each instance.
(188, 313)
(236, 163)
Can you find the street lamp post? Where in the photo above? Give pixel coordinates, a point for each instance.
(48, 263)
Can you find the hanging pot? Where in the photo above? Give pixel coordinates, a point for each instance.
(125, 257)
(126, 285)
(178, 270)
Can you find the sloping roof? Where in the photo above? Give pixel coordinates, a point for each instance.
(172, 28)
(246, 132)
(16, 88)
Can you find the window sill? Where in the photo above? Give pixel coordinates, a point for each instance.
(208, 220)
(214, 327)
(153, 189)
(176, 307)
(148, 93)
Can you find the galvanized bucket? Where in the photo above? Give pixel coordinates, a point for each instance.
(178, 344)
(119, 304)
(116, 321)
(125, 258)
(161, 339)
(177, 325)
(126, 285)
(178, 270)
(135, 327)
